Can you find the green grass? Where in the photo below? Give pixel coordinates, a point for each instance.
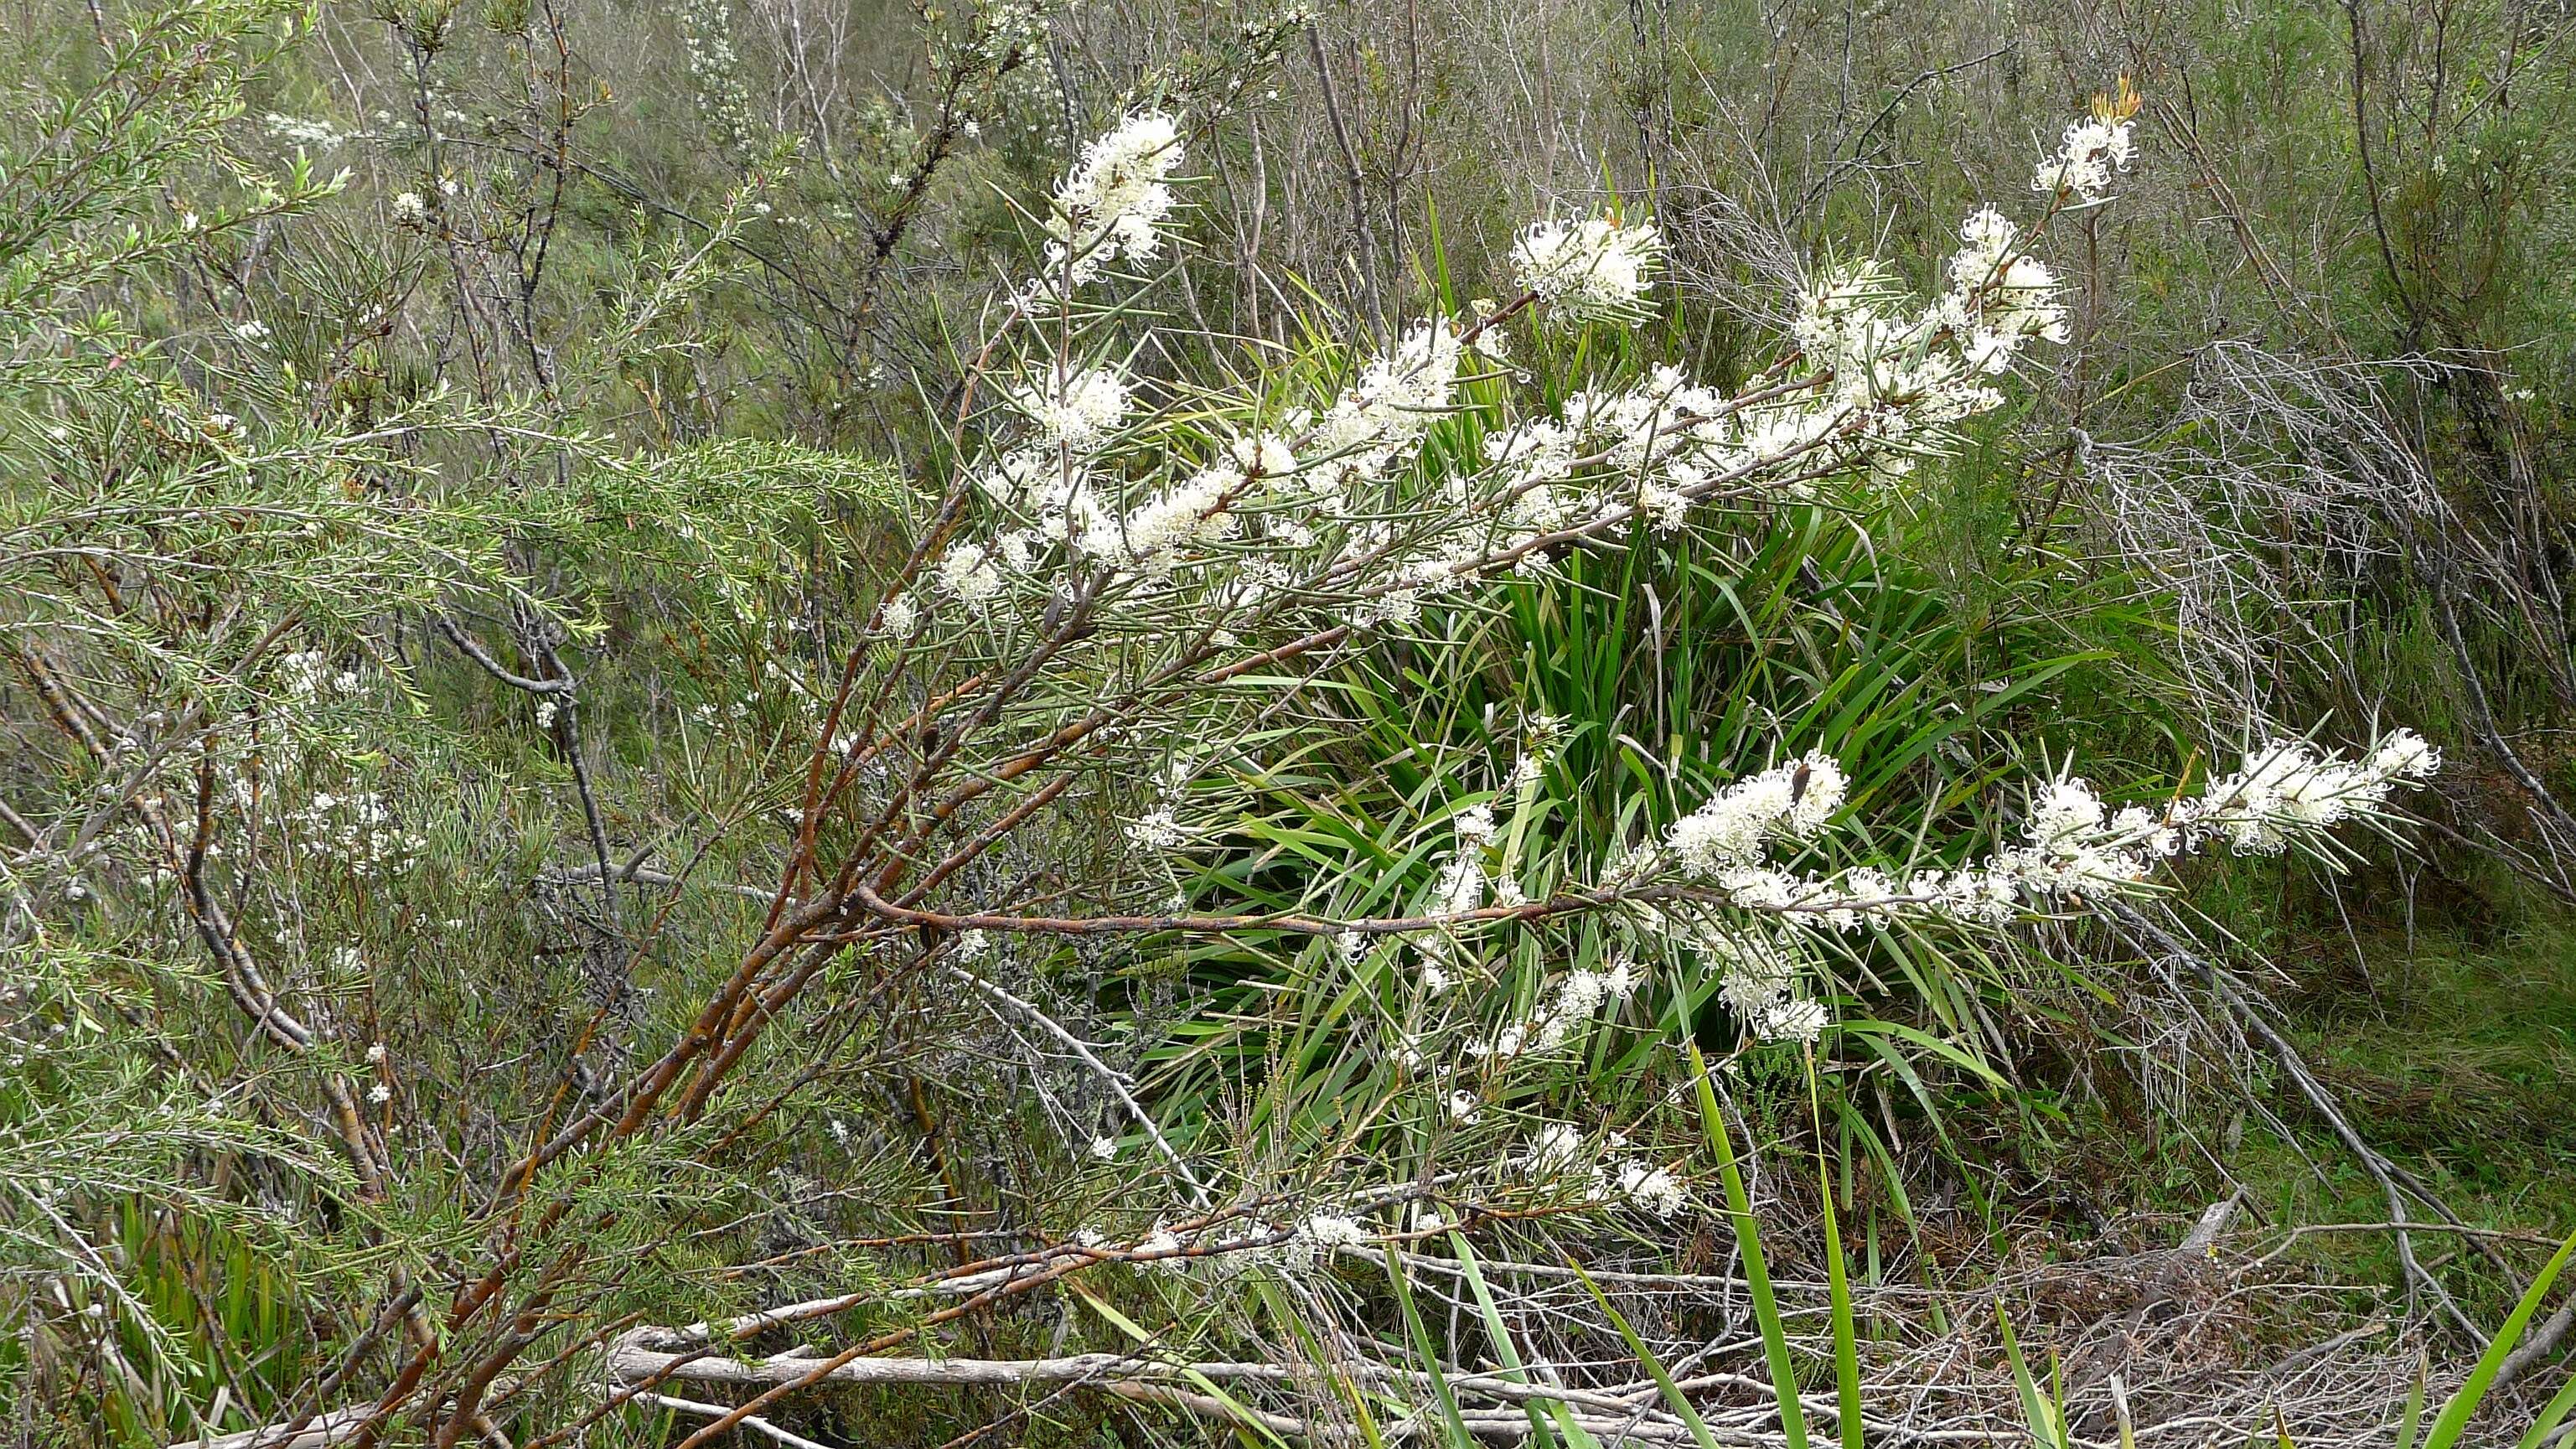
(2452, 1052)
(2453, 1055)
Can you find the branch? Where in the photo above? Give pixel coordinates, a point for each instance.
(1117, 1082)
(717, 1411)
(320, 1432)
(465, 645)
(2144, 935)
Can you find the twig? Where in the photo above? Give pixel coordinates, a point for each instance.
(338, 1427)
(755, 1423)
(1117, 1083)
(2146, 936)
(465, 645)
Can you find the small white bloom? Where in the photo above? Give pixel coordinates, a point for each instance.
(1475, 824)
(1817, 790)
(2092, 149)
(1730, 829)
(1652, 1188)
(2404, 755)
(1075, 410)
(1797, 1021)
(1590, 269)
(1334, 1232)
(1113, 203)
(966, 571)
(1557, 1147)
(1156, 829)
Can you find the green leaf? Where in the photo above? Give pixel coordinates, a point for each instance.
(2047, 1426)
(1847, 1410)
(1504, 1353)
(1748, 1240)
(1460, 1435)
(2551, 1414)
(1681, 1404)
(2454, 1418)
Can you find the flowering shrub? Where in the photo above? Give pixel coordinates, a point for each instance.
(1108, 523)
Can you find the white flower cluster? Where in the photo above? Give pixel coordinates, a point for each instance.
(967, 573)
(1591, 269)
(1651, 1188)
(1393, 402)
(1075, 409)
(360, 831)
(1886, 384)
(2291, 788)
(1542, 740)
(2092, 149)
(1157, 535)
(2071, 845)
(1556, 1147)
(1460, 883)
(320, 135)
(2287, 791)
(1008, 26)
(307, 674)
(1562, 1018)
(1333, 1232)
(1902, 377)
(706, 30)
(2004, 295)
(1249, 1243)
(1157, 829)
(1732, 827)
(1053, 486)
(1758, 971)
(1113, 204)
(1557, 1151)
(1321, 501)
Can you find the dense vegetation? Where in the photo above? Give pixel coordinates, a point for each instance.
(772, 722)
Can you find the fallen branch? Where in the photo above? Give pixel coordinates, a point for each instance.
(2160, 945)
(755, 1423)
(322, 1431)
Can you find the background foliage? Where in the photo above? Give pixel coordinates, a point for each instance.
(442, 437)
